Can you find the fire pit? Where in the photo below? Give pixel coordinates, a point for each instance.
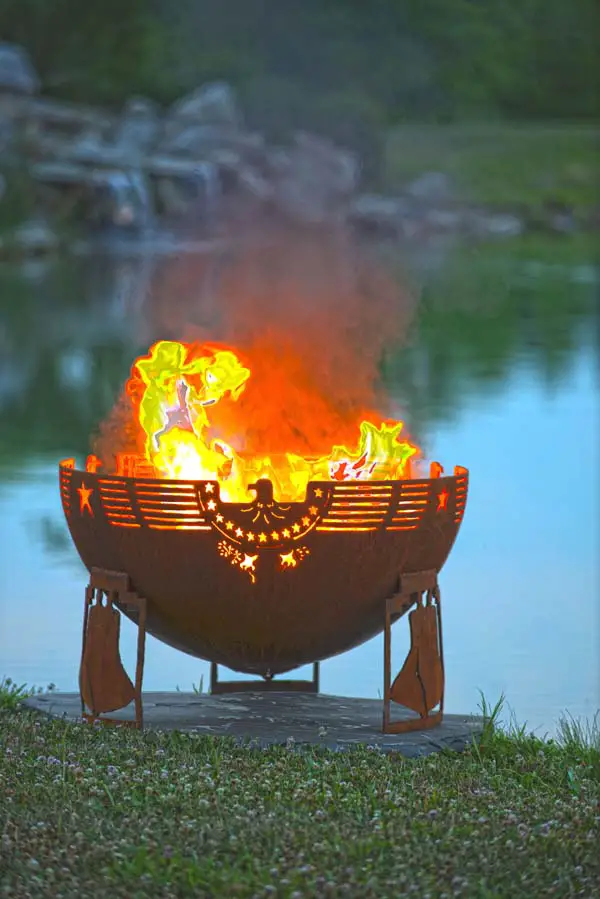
(260, 574)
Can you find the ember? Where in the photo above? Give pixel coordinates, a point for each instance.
(173, 390)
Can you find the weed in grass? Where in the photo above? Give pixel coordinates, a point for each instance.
(12, 694)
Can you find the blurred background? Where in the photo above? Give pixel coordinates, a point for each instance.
(454, 142)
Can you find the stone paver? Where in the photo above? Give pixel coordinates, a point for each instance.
(266, 719)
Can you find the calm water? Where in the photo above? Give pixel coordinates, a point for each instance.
(502, 376)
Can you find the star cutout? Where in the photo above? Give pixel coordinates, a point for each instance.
(248, 564)
(209, 488)
(313, 510)
(251, 536)
(262, 538)
(286, 532)
(84, 499)
(318, 492)
(211, 505)
(219, 518)
(275, 535)
(229, 525)
(306, 521)
(239, 532)
(296, 528)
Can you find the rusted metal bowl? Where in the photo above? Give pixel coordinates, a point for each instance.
(263, 587)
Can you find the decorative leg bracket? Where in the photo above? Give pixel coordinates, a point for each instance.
(420, 684)
(104, 684)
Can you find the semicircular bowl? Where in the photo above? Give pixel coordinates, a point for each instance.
(263, 586)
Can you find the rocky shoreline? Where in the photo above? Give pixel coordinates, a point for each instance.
(196, 169)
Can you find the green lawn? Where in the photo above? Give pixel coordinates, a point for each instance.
(92, 811)
(501, 164)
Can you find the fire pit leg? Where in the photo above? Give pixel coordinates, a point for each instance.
(104, 685)
(420, 684)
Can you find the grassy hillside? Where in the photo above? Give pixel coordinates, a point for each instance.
(500, 163)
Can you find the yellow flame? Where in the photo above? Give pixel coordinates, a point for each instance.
(178, 392)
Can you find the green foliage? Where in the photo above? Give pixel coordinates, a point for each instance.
(498, 163)
(434, 60)
(88, 52)
(12, 694)
(17, 202)
(344, 69)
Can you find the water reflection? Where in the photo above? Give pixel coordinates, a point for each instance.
(500, 375)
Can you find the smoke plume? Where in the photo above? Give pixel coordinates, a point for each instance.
(307, 311)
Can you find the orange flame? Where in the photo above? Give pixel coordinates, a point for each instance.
(204, 416)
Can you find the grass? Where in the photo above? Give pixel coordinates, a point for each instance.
(92, 811)
(501, 164)
(12, 694)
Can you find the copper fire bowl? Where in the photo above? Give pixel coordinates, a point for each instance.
(263, 587)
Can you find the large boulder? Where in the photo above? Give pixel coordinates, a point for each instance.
(379, 215)
(431, 188)
(206, 140)
(205, 121)
(34, 237)
(211, 104)
(313, 179)
(17, 74)
(139, 127)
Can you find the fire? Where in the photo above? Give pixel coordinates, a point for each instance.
(187, 403)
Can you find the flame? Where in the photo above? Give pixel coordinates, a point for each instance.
(188, 397)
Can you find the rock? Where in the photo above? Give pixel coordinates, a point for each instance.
(139, 128)
(430, 187)
(206, 140)
(378, 215)
(445, 221)
(559, 217)
(211, 104)
(313, 180)
(199, 193)
(190, 140)
(173, 201)
(75, 368)
(32, 238)
(128, 201)
(484, 223)
(16, 71)
(254, 183)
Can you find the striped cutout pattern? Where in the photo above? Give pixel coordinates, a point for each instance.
(461, 497)
(357, 507)
(116, 503)
(65, 488)
(410, 506)
(170, 506)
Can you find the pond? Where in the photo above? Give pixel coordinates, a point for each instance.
(501, 375)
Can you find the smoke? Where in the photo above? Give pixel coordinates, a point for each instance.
(307, 311)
